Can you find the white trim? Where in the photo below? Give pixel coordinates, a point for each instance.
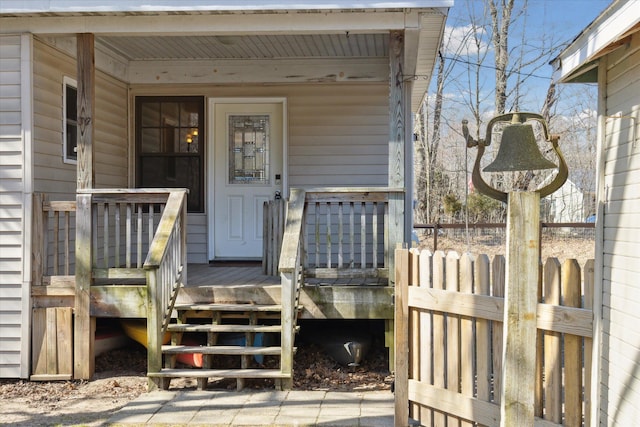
(612, 23)
(35, 6)
(66, 81)
(214, 24)
(258, 71)
(26, 101)
(596, 351)
(209, 167)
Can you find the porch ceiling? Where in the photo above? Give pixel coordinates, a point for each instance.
(343, 45)
(350, 43)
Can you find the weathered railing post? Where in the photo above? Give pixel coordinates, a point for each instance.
(289, 268)
(39, 238)
(83, 334)
(165, 274)
(154, 327)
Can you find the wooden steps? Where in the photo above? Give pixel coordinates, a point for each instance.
(230, 350)
(222, 328)
(219, 373)
(229, 307)
(230, 340)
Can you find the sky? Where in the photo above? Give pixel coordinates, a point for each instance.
(543, 23)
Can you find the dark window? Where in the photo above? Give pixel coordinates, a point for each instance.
(70, 121)
(169, 145)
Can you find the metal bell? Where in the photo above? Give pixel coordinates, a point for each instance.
(518, 150)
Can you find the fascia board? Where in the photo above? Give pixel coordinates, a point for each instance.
(100, 6)
(606, 29)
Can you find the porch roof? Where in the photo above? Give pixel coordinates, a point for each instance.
(97, 6)
(197, 30)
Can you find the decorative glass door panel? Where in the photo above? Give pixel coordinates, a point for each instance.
(249, 149)
(247, 169)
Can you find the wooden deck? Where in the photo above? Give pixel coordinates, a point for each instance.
(320, 298)
(227, 274)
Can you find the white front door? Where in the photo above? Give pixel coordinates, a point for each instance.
(247, 171)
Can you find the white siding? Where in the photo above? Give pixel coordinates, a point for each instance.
(52, 175)
(620, 369)
(337, 136)
(12, 303)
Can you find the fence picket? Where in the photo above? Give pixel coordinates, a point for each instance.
(482, 282)
(466, 354)
(452, 270)
(538, 399)
(552, 346)
(498, 271)
(439, 367)
(415, 353)
(426, 375)
(571, 296)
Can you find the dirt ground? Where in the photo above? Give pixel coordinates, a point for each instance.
(121, 377)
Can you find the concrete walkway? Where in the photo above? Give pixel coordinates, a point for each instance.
(259, 408)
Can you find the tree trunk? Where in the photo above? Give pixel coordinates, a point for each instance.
(500, 36)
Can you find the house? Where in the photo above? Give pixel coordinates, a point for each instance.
(566, 204)
(237, 102)
(607, 52)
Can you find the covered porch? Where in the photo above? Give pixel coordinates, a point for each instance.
(129, 262)
(150, 179)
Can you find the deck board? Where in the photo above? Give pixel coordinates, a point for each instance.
(212, 275)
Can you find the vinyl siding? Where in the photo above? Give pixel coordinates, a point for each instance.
(337, 136)
(51, 174)
(12, 185)
(620, 373)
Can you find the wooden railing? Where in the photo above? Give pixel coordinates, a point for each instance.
(274, 214)
(346, 233)
(331, 233)
(290, 268)
(449, 340)
(102, 238)
(166, 272)
(53, 242)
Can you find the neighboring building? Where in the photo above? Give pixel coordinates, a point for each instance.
(607, 52)
(564, 205)
(324, 90)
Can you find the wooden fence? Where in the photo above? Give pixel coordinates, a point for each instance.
(497, 230)
(449, 311)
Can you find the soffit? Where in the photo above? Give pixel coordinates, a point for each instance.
(247, 47)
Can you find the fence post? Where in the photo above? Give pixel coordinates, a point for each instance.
(589, 269)
(401, 338)
(519, 352)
